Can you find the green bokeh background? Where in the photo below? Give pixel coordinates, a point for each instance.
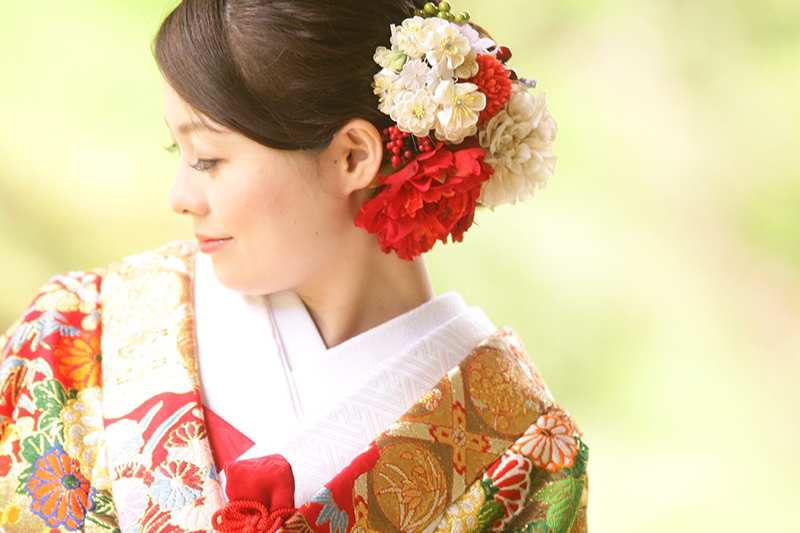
(656, 281)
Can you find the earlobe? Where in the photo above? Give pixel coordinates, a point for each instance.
(363, 150)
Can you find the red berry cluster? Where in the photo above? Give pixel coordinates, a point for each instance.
(402, 147)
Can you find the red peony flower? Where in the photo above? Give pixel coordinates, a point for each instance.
(432, 197)
(492, 80)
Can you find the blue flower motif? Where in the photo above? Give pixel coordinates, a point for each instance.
(171, 493)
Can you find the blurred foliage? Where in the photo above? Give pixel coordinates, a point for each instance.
(656, 281)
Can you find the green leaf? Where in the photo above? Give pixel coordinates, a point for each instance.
(50, 396)
(491, 510)
(488, 488)
(564, 497)
(34, 447)
(51, 424)
(578, 469)
(104, 505)
(22, 485)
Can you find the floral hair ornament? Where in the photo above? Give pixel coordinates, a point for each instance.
(466, 132)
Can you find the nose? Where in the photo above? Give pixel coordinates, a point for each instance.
(187, 196)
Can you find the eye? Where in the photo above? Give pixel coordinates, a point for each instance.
(172, 148)
(204, 165)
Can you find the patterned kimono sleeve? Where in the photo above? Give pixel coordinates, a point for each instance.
(51, 475)
(539, 485)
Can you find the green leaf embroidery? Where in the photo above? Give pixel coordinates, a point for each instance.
(22, 481)
(50, 396)
(578, 469)
(491, 510)
(34, 447)
(564, 497)
(104, 505)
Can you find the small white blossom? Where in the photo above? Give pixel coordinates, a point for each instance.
(518, 143)
(386, 86)
(412, 36)
(416, 113)
(447, 45)
(481, 45)
(380, 56)
(414, 75)
(438, 74)
(460, 107)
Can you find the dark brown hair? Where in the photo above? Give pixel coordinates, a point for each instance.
(286, 73)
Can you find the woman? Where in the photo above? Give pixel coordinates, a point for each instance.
(166, 393)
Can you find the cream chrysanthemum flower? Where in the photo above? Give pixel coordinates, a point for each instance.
(446, 45)
(415, 75)
(416, 113)
(460, 106)
(518, 143)
(412, 35)
(386, 87)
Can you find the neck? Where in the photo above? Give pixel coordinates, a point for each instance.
(354, 300)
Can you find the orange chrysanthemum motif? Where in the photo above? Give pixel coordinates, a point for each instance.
(59, 493)
(79, 359)
(549, 443)
(493, 81)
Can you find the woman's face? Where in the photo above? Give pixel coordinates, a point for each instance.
(265, 216)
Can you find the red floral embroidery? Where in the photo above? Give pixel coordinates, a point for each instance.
(511, 476)
(493, 81)
(432, 197)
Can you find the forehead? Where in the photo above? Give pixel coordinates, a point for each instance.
(183, 119)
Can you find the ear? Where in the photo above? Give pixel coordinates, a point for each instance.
(358, 154)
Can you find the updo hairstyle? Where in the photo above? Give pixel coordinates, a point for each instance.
(288, 74)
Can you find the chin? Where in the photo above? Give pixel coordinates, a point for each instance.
(237, 280)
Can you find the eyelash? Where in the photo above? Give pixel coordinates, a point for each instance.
(202, 165)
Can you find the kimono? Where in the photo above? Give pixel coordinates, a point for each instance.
(103, 429)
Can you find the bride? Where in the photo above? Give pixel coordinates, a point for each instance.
(292, 368)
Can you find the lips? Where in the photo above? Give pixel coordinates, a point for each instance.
(209, 245)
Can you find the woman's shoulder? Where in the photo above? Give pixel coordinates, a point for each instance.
(70, 303)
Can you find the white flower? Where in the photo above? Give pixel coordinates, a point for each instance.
(469, 67)
(446, 45)
(518, 143)
(394, 109)
(461, 104)
(481, 45)
(416, 113)
(438, 74)
(414, 75)
(380, 56)
(386, 87)
(412, 36)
